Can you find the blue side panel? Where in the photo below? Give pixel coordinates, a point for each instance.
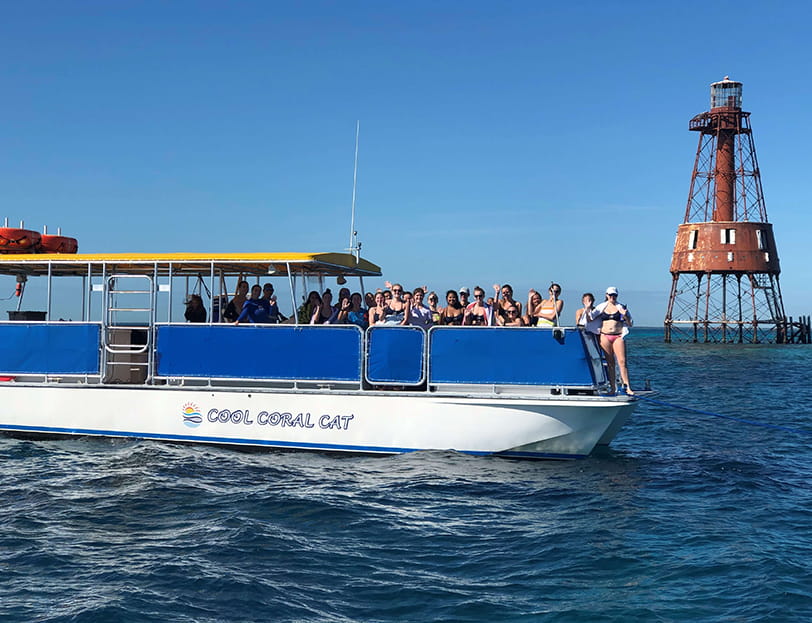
(34, 348)
(395, 355)
(482, 355)
(325, 353)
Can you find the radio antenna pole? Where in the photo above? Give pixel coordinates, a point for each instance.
(354, 246)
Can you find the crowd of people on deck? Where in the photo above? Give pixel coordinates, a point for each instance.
(420, 307)
(256, 305)
(608, 322)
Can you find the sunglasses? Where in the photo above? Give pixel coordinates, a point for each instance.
(479, 296)
(513, 311)
(397, 290)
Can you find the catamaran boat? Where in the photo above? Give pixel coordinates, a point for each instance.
(105, 352)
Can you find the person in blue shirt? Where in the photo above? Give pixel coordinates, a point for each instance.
(274, 315)
(352, 312)
(255, 309)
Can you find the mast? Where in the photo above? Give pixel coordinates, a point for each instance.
(355, 247)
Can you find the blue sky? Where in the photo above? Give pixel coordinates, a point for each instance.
(519, 142)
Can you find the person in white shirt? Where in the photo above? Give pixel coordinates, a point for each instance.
(419, 314)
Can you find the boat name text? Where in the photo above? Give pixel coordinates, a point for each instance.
(275, 418)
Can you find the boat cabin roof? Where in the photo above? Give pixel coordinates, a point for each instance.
(178, 264)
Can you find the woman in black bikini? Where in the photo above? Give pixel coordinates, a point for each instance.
(453, 312)
(479, 313)
(615, 322)
(436, 312)
(501, 305)
(396, 310)
(323, 314)
(533, 303)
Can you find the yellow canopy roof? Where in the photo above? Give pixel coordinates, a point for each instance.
(187, 263)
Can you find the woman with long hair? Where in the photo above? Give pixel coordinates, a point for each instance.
(305, 312)
(234, 307)
(325, 313)
(501, 305)
(533, 303)
(436, 312)
(453, 312)
(397, 308)
(377, 313)
(352, 312)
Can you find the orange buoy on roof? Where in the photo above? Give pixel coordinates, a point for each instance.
(58, 244)
(15, 240)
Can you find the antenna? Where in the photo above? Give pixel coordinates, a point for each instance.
(354, 246)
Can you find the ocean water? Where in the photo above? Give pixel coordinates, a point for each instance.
(688, 517)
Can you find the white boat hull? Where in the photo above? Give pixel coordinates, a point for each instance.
(360, 422)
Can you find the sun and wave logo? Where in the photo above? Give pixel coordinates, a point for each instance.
(191, 415)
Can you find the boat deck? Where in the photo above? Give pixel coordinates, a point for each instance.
(511, 362)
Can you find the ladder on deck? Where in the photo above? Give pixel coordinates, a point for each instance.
(128, 328)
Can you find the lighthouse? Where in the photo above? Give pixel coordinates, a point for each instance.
(725, 267)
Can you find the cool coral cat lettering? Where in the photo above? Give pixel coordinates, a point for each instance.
(275, 418)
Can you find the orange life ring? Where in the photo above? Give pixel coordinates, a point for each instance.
(14, 240)
(58, 244)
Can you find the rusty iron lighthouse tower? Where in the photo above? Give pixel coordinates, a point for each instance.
(725, 266)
